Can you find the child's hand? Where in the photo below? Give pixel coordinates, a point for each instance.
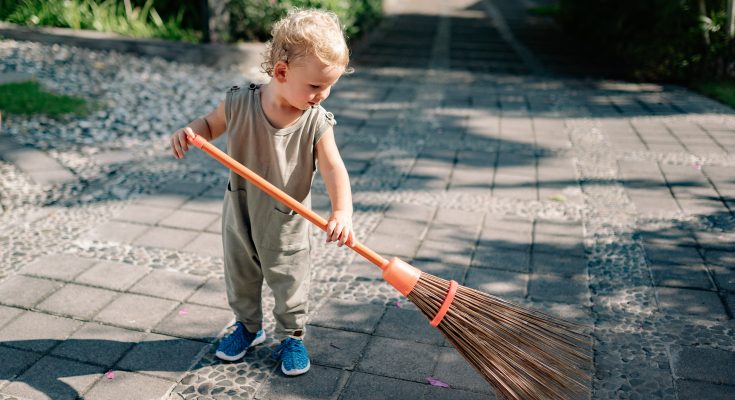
(339, 228)
(179, 145)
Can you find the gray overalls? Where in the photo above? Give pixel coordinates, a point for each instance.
(263, 238)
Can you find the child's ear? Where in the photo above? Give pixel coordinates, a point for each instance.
(280, 70)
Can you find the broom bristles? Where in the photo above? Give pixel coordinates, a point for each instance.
(522, 353)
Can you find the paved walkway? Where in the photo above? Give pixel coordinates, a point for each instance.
(472, 155)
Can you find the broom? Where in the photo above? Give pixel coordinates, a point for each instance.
(523, 354)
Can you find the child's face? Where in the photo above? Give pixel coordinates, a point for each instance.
(309, 82)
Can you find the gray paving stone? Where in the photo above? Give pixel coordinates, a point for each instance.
(36, 331)
(682, 276)
(168, 285)
(556, 244)
(716, 240)
(186, 219)
(28, 159)
(25, 291)
(136, 312)
(673, 255)
(439, 393)
(58, 266)
(7, 314)
(458, 373)
(456, 253)
(558, 228)
(689, 302)
(407, 359)
(363, 386)
(406, 324)
(213, 293)
(142, 214)
(385, 245)
(723, 258)
(451, 234)
(208, 204)
(334, 347)
(724, 277)
(501, 258)
(320, 383)
(195, 322)
(364, 270)
(115, 231)
(130, 386)
(207, 244)
(77, 301)
(687, 389)
(166, 200)
(559, 288)
(558, 264)
(14, 363)
(98, 344)
(54, 378)
(215, 227)
(442, 270)
(498, 283)
(401, 227)
(668, 237)
(449, 216)
(410, 212)
(175, 239)
(112, 275)
(161, 356)
(348, 315)
(704, 364)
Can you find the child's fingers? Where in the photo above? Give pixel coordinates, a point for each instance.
(330, 230)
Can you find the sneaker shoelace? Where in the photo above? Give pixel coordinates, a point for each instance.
(287, 346)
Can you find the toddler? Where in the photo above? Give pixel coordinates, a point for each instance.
(280, 131)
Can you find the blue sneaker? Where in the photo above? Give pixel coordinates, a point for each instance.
(234, 346)
(293, 355)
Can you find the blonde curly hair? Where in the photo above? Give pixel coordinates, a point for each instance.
(307, 32)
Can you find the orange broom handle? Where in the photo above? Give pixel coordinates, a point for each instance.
(279, 195)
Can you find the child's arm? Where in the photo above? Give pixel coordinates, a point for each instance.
(210, 127)
(339, 226)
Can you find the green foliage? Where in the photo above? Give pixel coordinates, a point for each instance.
(29, 98)
(723, 91)
(253, 19)
(660, 40)
(104, 16)
(549, 10)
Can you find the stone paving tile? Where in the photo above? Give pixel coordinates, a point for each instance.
(98, 344)
(161, 356)
(185, 219)
(129, 386)
(703, 390)
(689, 302)
(334, 347)
(348, 315)
(213, 293)
(454, 370)
(363, 386)
(461, 235)
(54, 378)
(168, 238)
(195, 322)
(559, 264)
(166, 200)
(135, 311)
(7, 314)
(207, 244)
(704, 364)
(682, 276)
(77, 301)
(502, 259)
(401, 227)
(717, 257)
(442, 269)
(170, 285)
(724, 277)
(114, 231)
(438, 393)
(409, 360)
(406, 324)
(455, 253)
(673, 255)
(57, 266)
(207, 204)
(142, 214)
(403, 247)
(14, 363)
(504, 284)
(26, 291)
(559, 288)
(320, 383)
(37, 332)
(112, 275)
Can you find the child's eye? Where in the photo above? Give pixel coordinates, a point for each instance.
(315, 86)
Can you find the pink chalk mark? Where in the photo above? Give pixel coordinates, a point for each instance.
(436, 382)
(110, 374)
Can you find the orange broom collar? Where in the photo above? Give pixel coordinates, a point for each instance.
(445, 306)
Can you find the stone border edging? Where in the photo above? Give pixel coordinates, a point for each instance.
(243, 55)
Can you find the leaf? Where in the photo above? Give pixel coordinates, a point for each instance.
(436, 382)
(559, 198)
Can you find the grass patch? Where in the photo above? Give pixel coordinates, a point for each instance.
(723, 91)
(550, 10)
(27, 98)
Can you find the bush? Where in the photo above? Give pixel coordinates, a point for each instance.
(660, 40)
(253, 19)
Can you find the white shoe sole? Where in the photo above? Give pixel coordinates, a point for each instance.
(295, 372)
(222, 356)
